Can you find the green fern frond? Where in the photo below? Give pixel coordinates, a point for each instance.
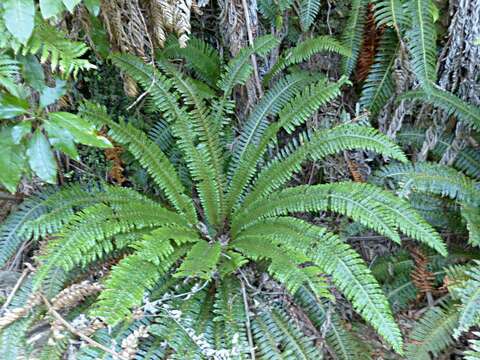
(432, 333)
(390, 13)
(379, 86)
(53, 45)
(469, 295)
(238, 69)
(150, 156)
(471, 215)
(12, 230)
(304, 105)
(451, 104)
(278, 338)
(308, 12)
(473, 352)
(305, 50)
(467, 159)
(432, 178)
(269, 105)
(201, 261)
(116, 301)
(344, 344)
(353, 34)
(371, 206)
(337, 259)
(200, 57)
(9, 69)
(422, 39)
(316, 147)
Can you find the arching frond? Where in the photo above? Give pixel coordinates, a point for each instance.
(371, 206)
(379, 86)
(422, 39)
(304, 50)
(238, 69)
(353, 34)
(390, 13)
(342, 341)
(451, 104)
(150, 156)
(432, 334)
(316, 147)
(469, 294)
(279, 338)
(117, 300)
(467, 159)
(471, 215)
(199, 56)
(201, 261)
(432, 178)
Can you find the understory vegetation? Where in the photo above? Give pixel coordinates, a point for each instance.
(250, 179)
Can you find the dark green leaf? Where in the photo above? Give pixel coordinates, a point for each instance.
(32, 72)
(19, 17)
(12, 161)
(41, 159)
(49, 95)
(61, 139)
(11, 106)
(81, 130)
(50, 8)
(20, 130)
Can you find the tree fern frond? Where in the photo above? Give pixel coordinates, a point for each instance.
(341, 341)
(353, 34)
(290, 343)
(116, 301)
(304, 50)
(432, 333)
(379, 86)
(200, 57)
(451, 104)
(316, 147)
(422, 39)
(150, 156)
(238, 70)
(432, 178)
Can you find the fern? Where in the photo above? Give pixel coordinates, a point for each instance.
(308, 12)
(352, 35)
(53, 45)
(432, 334)
(451, 104)
(469, 295)
(390, 13)
(199, 56)
(379, 86)
(421, 43)
(305, 50)
(432, 178)
(341, 341)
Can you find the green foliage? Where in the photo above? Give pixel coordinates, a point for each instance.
(432, 333)
(353, 34)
